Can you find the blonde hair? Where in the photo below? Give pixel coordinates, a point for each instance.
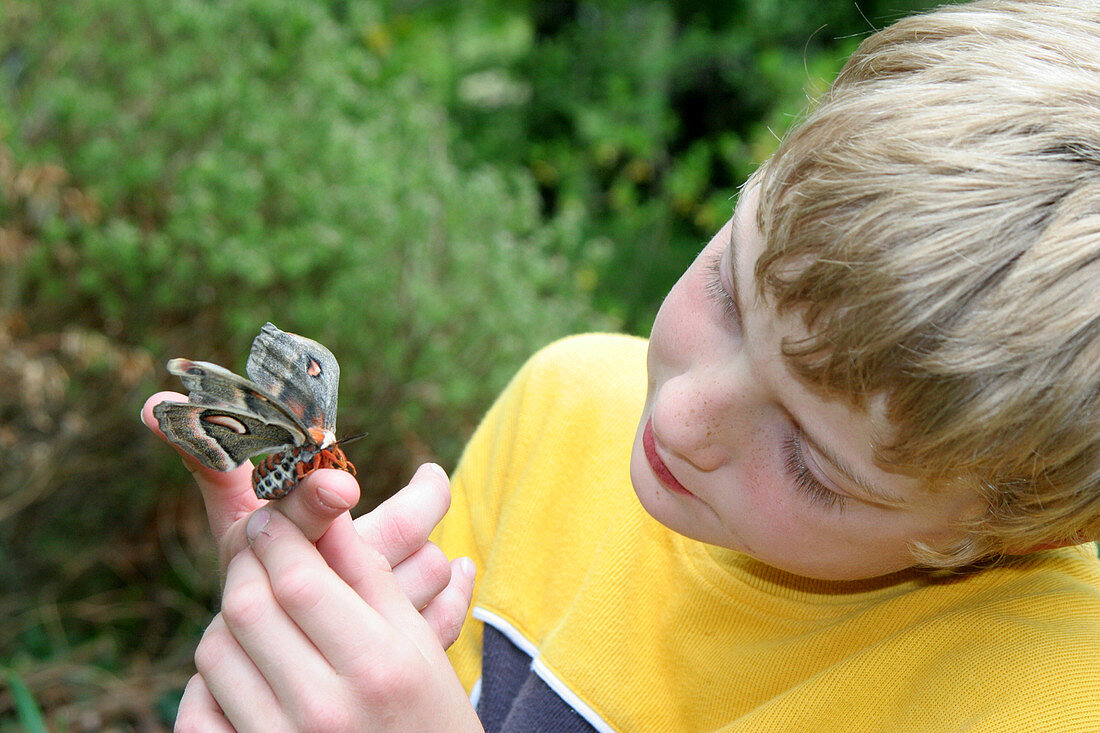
(936, 222)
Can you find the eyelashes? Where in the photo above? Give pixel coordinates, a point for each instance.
(795, 464)
(717, 290)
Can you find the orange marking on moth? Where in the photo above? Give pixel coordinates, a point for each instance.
(327, 458)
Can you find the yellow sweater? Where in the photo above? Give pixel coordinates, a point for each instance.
(637, 628)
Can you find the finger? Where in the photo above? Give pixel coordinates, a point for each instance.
(289, 664)
(446, 612)
(353, 635)
(233, 680)
(199, 712)
(421, 575)
(228, 495)
(319, 499)
(400, 525)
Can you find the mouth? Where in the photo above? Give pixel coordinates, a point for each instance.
(664, 475)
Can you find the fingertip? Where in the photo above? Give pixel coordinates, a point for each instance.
(437, 470)
(146, 415)
(467, 567)
(320, 498)
(331, 490)
(207, 478)
(265, 525)
(434, 474)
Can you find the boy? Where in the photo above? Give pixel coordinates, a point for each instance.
(886, 367)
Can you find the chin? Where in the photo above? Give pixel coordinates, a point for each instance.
(684, 515)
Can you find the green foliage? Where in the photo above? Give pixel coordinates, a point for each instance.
(27, 711)
(640, 120)
(432, 190)
(174, 175)
(256, 160)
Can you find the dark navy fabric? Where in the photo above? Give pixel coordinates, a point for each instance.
(516, 700)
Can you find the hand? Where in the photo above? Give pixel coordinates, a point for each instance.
(229, 497)
(398, 529)
(299, 645)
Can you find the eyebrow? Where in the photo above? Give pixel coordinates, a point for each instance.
(846, 470)
(843, 467)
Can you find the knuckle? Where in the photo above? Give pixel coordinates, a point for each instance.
(451, 618)
(243, 604)
(402, 531)
(296, 588)
(212, 649)
(450, 625)
(387, 678)
(435, 568)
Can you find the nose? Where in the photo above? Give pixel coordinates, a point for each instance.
(706, 416)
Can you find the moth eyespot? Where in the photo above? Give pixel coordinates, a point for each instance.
(313, 369)
(228, 422)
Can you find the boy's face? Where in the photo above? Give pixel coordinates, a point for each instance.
(735, 451)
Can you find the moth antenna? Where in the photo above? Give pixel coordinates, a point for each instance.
(351, 439)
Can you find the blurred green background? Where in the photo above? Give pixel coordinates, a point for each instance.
(433, 190)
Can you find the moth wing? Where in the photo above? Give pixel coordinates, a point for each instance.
(215, 386)
(298, 372)
(219, 438)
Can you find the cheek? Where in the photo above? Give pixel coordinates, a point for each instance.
(680, 322)
(767, 496)
(784, 523)
(670, 334)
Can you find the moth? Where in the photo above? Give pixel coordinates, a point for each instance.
(286, 408)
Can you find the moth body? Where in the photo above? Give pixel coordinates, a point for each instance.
(278, 474)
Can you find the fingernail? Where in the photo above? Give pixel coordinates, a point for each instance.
(331, 500)
(437, 468)
(141, 416)
(466, 565)
(256, 523)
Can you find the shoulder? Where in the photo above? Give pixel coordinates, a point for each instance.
(567, 394)
(590, 357)
(573, 377)
(571, 409)
(1025, 641)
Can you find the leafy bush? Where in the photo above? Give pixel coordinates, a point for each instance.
(254, 161)
(432, 190)
(176, 174)
(639, 120)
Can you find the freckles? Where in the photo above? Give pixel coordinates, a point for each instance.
(767, 491)
(759, 478)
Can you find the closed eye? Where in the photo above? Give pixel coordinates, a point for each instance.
(804, 481)
(717, 290)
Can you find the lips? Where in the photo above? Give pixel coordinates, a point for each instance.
(664, 475)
